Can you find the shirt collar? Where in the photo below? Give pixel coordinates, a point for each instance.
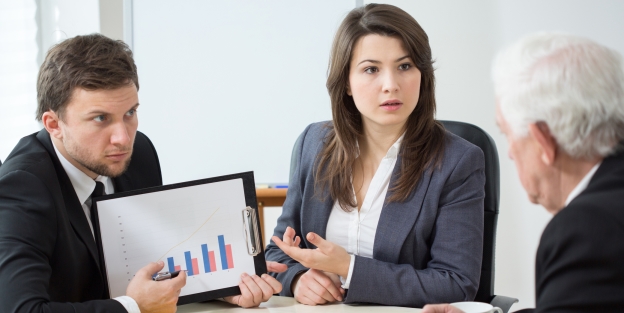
(82, 183)
(393, 152)
(582, 185)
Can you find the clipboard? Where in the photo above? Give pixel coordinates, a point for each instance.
(208, 227)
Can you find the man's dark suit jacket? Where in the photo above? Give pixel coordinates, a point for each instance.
(48, 258)
(580, 259)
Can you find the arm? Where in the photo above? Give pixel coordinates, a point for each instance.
(290, 217)
(27, 239)
(456, 245)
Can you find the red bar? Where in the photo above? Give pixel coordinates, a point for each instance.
(195, 266)
(177, 268)
(213, 264)
(228, 252)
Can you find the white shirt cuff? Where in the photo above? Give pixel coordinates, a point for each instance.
(346, 281)
(128, 303)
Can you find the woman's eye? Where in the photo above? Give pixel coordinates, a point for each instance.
(405, 66)
(99, 118)
(371, 70)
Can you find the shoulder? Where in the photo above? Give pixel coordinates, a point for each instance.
(29, 156)
(313, 136)
(457, 148)
(460, 158)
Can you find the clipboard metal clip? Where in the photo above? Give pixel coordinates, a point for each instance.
(250, 219)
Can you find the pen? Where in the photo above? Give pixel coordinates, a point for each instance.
(165, 275)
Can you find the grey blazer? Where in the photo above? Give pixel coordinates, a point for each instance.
(427, 249)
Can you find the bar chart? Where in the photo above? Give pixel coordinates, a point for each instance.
(208, 259)
(198, 229)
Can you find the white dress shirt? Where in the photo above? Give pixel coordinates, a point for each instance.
(84, 186)
(582, 185)
(355, 230)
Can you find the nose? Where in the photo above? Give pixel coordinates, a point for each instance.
(390, 82)
(120, 135)
(509, 154)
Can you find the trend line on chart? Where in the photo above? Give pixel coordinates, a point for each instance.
(193, 234)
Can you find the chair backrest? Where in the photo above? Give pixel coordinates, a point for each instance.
(481, 139)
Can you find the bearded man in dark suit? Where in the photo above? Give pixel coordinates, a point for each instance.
(560, 103)
(87, 102)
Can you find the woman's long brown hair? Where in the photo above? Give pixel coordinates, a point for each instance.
(423, 143)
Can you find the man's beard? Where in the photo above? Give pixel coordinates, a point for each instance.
(102, 169)
(83, 158)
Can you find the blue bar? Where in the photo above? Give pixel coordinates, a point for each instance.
(189, 263)
(224, 263)
(206, 260)
(171, 265)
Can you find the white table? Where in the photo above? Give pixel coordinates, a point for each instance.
(287, 304)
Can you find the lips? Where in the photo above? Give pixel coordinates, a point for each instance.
(119, 156)
(392, 102)
(391, 105)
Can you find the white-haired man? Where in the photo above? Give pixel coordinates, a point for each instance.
(560, 103)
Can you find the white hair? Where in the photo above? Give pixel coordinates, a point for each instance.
(572, 84)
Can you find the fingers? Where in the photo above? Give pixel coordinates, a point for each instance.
(179, 281)
(276, 286)
(275, 267)
(314, 287)
(150, 269)
(289, 234)
(254, 291)
(329, 286)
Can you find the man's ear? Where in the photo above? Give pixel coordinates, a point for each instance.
(548, 144)
(51, 122)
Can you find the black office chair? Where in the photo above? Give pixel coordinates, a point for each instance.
(481, 139)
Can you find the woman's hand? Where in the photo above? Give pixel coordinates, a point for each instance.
(255, 290)
(327, 257)
(315, 287)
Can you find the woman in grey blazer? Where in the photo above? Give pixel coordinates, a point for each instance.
(384, 206)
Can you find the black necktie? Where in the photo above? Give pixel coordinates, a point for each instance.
(98, 191)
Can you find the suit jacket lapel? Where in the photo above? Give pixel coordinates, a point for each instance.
(397, 219)
(73, 207)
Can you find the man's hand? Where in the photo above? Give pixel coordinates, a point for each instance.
(328, 257)
(255, 290)
(315, 287)
(155, 296)
(440, 308)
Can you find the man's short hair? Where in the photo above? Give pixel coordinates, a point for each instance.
(91, 62)
(572, 84)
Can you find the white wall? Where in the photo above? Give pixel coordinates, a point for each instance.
(464, 37)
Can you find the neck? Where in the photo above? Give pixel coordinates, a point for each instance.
(571, 172)
(61, 148)
(375, 142)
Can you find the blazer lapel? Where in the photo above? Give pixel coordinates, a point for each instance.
(397, 219)
(318, 215)
(73, 207)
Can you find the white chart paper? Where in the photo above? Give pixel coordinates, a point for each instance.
(197, 228)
